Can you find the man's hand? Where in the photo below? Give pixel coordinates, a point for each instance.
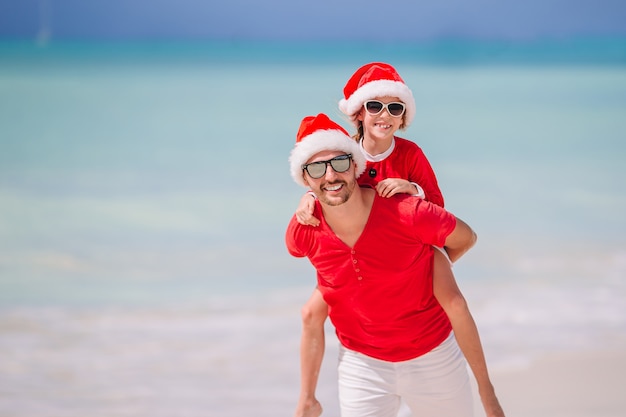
(491, 405)
(310, 408)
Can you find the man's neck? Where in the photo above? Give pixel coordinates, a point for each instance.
(348, 220)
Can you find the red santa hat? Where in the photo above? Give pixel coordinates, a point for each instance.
(317, 134)
(376, 79)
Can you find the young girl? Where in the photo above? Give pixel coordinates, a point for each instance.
(378, 103)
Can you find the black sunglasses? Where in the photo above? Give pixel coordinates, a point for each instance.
(317, 169)
(374, 107)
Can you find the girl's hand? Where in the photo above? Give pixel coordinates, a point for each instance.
(392, 186)
(304, 212)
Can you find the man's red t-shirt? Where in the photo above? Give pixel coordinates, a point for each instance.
(380, 292)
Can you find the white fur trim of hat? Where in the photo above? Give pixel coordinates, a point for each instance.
(317, 134)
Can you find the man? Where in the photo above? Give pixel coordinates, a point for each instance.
(374, 260)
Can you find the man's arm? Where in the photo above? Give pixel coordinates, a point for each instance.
(312, 344)
(460, 240)
(465, 331)
(449, 296)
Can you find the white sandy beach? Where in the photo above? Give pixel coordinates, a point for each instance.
(590, 384)
(234, 362)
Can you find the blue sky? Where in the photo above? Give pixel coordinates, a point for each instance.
(312, 19)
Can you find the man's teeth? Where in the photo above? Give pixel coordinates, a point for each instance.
(333, 188)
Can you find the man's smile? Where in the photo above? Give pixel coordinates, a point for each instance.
(335, 187)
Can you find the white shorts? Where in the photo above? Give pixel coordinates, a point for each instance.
(433, 385)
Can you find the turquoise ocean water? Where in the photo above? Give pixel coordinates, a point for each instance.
(144, 194)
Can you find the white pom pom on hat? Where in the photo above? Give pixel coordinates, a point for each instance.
(317, 134)
(372, 80)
